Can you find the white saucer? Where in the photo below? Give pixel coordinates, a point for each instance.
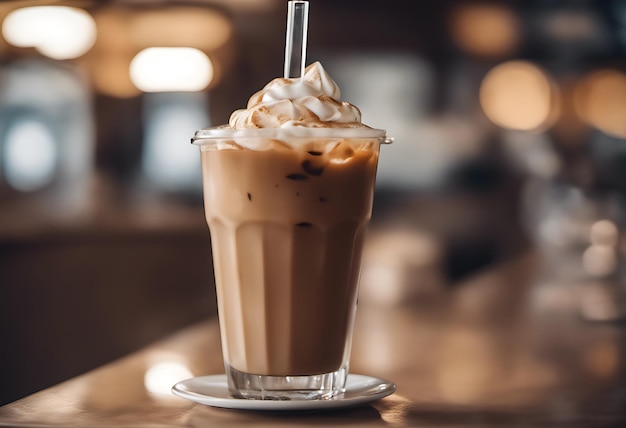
(213, 391)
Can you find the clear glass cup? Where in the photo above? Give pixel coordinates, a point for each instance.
(287, 212)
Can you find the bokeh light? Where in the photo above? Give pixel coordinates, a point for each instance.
(162, 69)
(30, 155)
(160, 377)
(518, 95)
(486, 30)
(600, 100)
(58, 32)
(604, 232)
(599, 260)
(124, 31)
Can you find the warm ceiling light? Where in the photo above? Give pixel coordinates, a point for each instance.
(600, 100)
(488, 30)
(171, 70)
(201, 28)
(518, 95)
(59, 32)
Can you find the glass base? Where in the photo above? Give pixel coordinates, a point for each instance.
(260, 387)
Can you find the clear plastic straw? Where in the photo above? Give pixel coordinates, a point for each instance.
(295, 43)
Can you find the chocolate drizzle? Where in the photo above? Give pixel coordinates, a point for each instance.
(311, 169)
(297, 177)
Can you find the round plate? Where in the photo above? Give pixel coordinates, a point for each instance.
(213, 391)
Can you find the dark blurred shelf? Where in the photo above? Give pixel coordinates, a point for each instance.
(77, 294)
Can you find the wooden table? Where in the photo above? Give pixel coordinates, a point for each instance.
(488, 352)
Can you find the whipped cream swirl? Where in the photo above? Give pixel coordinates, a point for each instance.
(311, 102)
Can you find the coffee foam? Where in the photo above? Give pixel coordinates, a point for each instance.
(309, 102)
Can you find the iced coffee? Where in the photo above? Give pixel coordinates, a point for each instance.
(288, 189)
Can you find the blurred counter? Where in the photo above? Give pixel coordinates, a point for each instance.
(482, 355)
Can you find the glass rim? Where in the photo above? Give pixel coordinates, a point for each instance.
(206, 135)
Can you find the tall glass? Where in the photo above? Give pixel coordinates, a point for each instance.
(287, 211)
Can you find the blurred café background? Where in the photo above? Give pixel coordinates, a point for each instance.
(509, 120)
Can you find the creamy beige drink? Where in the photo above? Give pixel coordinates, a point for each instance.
(288, 189)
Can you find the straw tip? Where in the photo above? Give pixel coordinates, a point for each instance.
(296, 38)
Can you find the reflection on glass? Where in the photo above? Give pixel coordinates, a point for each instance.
(59, 32)
(30, 154)
(171, 70)
(168, 159)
